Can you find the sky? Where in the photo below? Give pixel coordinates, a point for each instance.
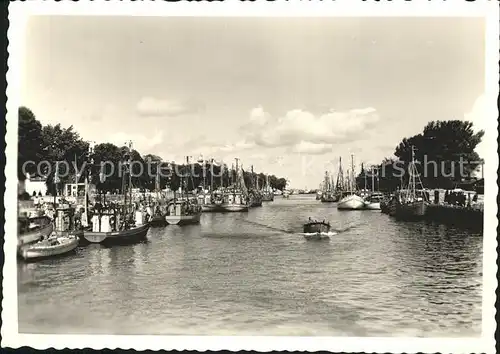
(286, 95)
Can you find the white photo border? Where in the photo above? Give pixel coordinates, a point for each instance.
(19, 12)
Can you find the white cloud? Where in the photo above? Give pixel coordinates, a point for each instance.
(149, 106)
(141, 143)
(305, 147)
(258, 116)
(484, 117)
(304, 131)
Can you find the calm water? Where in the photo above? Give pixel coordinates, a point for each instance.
(230, 275)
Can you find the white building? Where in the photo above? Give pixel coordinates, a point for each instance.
(34, 184)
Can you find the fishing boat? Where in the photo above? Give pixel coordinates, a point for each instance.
(316, 230)
(319, 193)
(328, 195)
(373, 199)
(234, 201)
(267, 193)
(114, 223)
(156, 208)
(350, 200)
(253, 193)
(183, 210)
(410, 203)
(210, 202)
(236, 198)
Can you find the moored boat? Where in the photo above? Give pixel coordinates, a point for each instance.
(411, 209)
(267, 193)
(130, 234)
(183, 212)
(209, 202)
(411, 204)
(372, 201)
(53, 246)
(351, 202)
(32, 230)
(234, 201)
(328, 194)
(116, 224)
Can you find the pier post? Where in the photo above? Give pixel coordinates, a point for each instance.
(436, 196)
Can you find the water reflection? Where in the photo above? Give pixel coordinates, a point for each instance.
(229, 275)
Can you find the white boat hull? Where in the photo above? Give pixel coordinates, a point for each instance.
(234, 207)
(182, 219)
(351, 202)
(43, 249)
(35, 236)
(372, 206)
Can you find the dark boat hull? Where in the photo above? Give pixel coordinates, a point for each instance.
(466, 217)
(211, 208)
(157, 220)
(411, 211)
(316, 227)
(126, 236)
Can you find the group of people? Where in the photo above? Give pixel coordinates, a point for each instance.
(459, 198)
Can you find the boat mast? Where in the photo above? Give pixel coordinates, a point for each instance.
(130, 173)
(236, 174)
(340, 176)
(373, 181)
(364, 174)
(231, 175)
(211, 176)
(353, 182)
(412, 172)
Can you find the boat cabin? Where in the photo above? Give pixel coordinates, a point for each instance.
(182, 207)
(234, 198)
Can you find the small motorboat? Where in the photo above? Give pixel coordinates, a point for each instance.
(316, 230)
(53, 246)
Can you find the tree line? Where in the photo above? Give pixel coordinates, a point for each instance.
(54, 143)
(443, 153)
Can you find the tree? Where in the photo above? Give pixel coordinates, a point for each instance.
(439, 151)
(107, 160)
(29, 141)
(62, 144)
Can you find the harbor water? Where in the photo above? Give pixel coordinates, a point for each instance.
(254, 274)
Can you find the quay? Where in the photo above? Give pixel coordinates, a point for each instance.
(454, 215)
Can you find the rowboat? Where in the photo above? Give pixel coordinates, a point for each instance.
(53, 246)
(41, 228)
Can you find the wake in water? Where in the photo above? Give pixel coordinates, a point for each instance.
(326, 234)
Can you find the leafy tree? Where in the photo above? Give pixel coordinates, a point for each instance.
(29, 141)
(439, 151)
